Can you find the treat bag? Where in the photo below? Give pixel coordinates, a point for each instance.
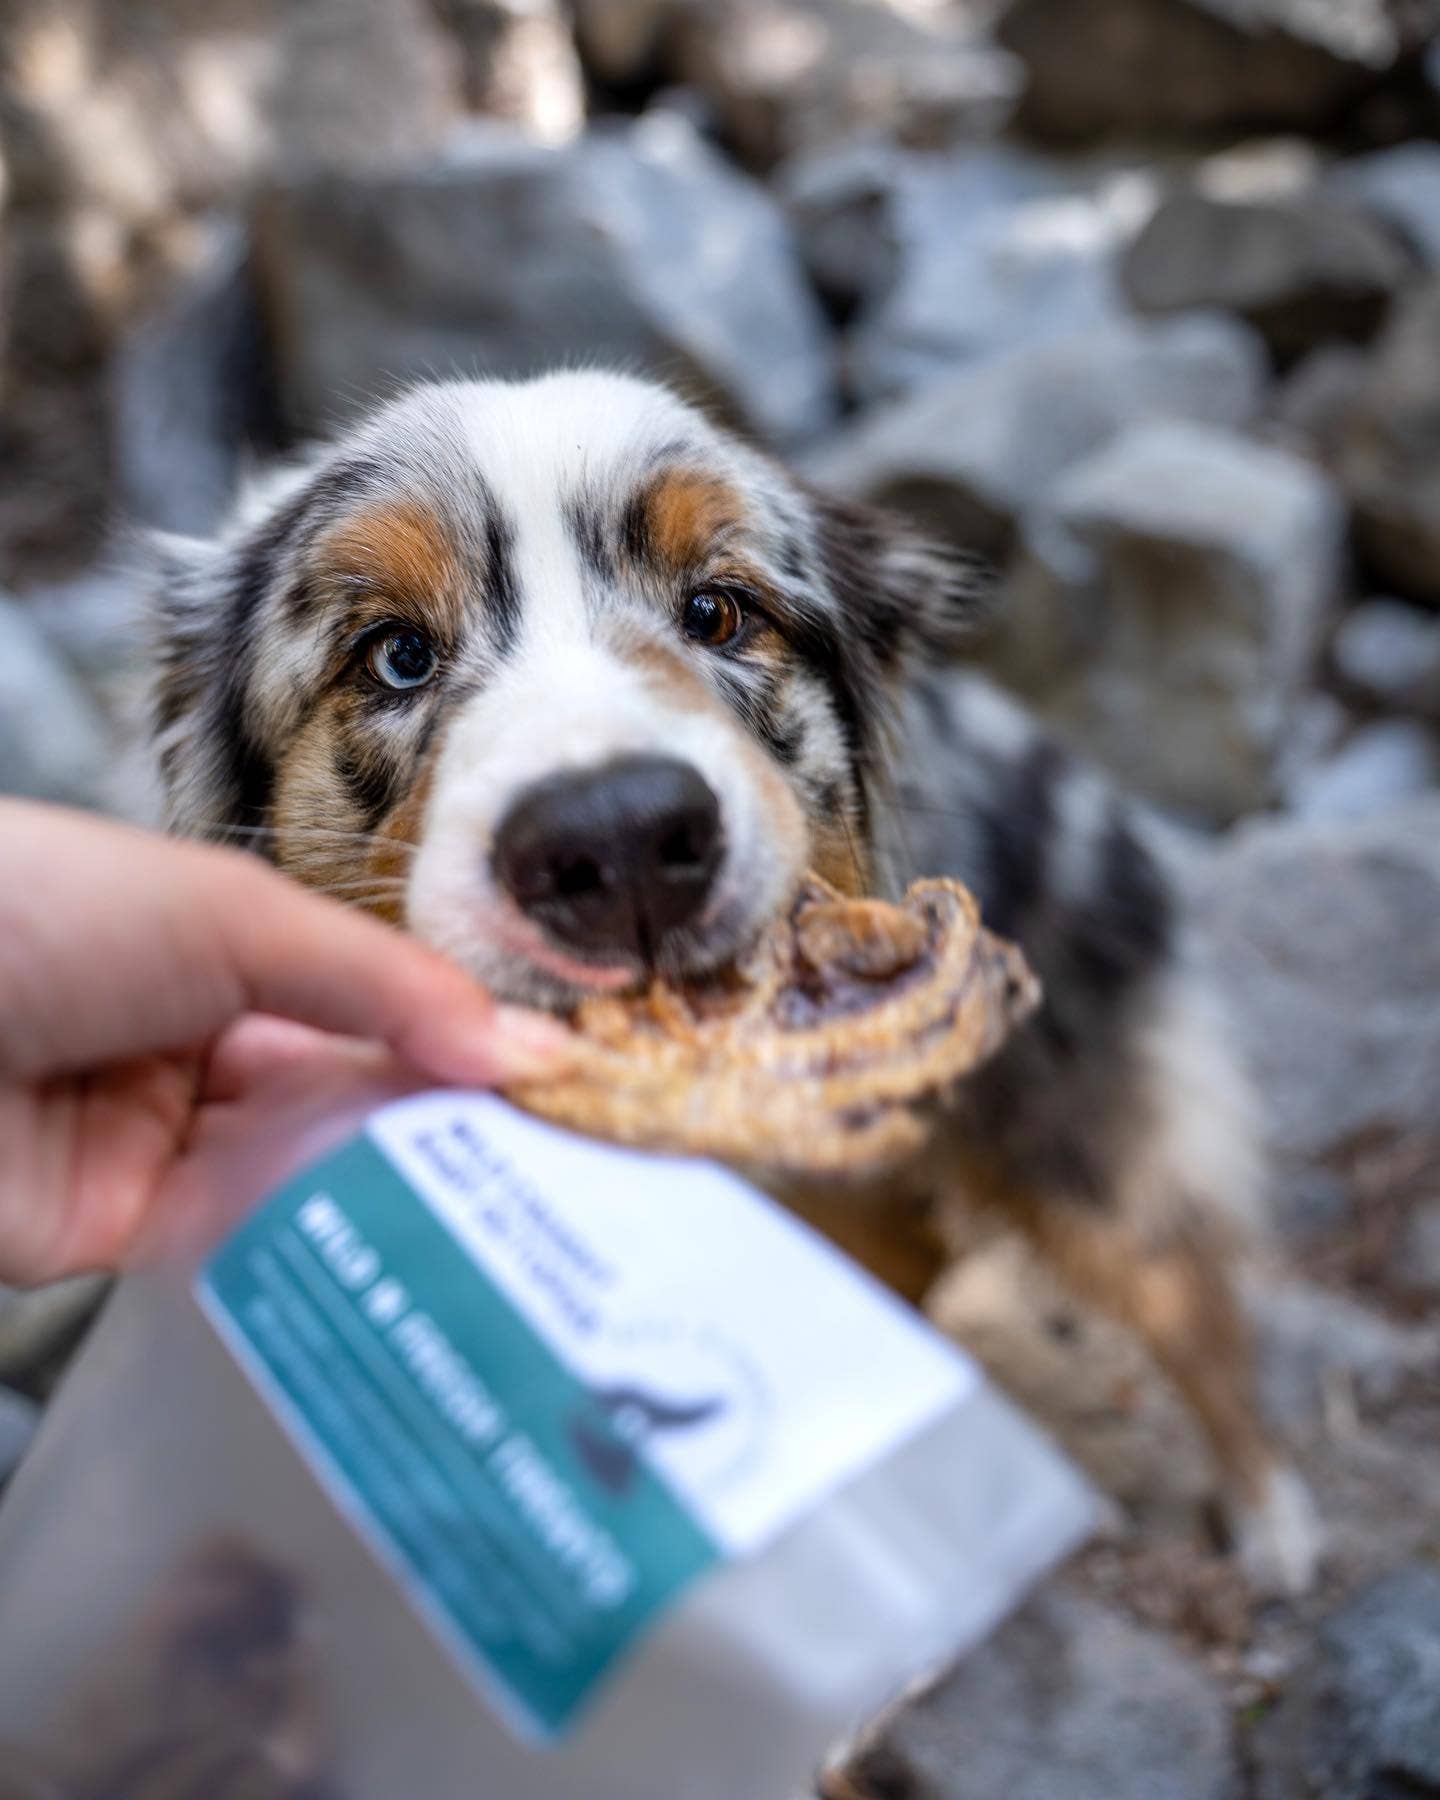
(483, 1458)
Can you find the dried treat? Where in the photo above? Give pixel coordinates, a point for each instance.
(213, 1696)
(818, 1057)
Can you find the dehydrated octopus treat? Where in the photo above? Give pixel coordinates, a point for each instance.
(213, 1698)
(818, 1057)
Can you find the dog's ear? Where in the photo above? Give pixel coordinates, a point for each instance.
(906, 597)
(194, 680)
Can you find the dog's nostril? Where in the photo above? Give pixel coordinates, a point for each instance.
(578, 876)
(678, 851)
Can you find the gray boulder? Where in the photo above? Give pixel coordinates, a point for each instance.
(189, 386)
(360, 83)
(1176, 66)
(784, 76)
(623, 41)
(1168, 607)
(1323, 941)
(1388, 655)
(1387, 462)
(1415, 1264)
(1379, 766)
(53, 741)
(976, 453)
(19, 1420)
(1311, 406)
(518, 62)
(1066, 1702)
(1401, 186)
(1304, 269)
(952, 259)
(38, 1325)
(846, 203)
(1361, 1721)
(1312, 1340)
(638, 247)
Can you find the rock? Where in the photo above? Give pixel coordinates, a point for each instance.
(972, 456)
(1415, 1262)
(39, 1325)
(976, 452)
(1310, 1339)
(1323, 941)
(848, 206)
(1067, 1702)
(1380, 766)
(120, 122)
(954, 259)
(98, 624)
(1168, 607)
(638, 247)
(1319, 727)
(133, 109)
(786, 75)
(1312, 404)
(54, 421)
(192, 396)
(1400, 186)
(1388, 655)
(19, 1420)
(1304, 270)
(1415, 1267)
(53, 741)
(623, 41)
(1387, 462)
(518, 63)
(1361, 1720)
(361, 84)
(1177, 66)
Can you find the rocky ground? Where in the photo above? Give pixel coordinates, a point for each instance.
(1142, 298)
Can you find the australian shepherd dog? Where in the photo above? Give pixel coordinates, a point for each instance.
(573, 684)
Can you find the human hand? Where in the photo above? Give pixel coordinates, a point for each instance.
(142, 981)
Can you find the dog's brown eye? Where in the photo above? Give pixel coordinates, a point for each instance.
(711, 618)
(403, 659)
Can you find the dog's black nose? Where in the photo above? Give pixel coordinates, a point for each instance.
(614, 860)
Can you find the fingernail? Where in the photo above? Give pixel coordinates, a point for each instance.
(495, 1044)
(530, 1044)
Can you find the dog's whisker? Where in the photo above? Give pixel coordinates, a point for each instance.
(316, 833)
(380, 885)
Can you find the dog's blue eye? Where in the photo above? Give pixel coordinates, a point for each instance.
(403, 659)
(711, 618)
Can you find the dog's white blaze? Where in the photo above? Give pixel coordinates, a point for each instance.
(597, 706)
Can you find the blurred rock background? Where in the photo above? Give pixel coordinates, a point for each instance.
(1142, 297)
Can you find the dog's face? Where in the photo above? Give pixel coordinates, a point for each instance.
(556, 674)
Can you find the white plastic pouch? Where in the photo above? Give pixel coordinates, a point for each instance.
(481, 1458)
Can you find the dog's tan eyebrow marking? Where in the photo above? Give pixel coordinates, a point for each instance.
(680, 518)
(401, 546)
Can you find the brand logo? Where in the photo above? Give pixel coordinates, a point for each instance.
(685, 1402)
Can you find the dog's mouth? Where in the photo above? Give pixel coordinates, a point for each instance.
(704, 953)
(520, 961)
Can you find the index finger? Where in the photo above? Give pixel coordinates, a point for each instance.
(115, 943)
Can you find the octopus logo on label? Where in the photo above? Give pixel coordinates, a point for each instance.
(684, 1400)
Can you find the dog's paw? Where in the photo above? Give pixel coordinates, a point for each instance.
(1279, 1539)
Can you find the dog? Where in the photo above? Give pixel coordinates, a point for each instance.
(573, 683)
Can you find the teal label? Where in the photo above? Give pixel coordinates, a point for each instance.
(505, 1492)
